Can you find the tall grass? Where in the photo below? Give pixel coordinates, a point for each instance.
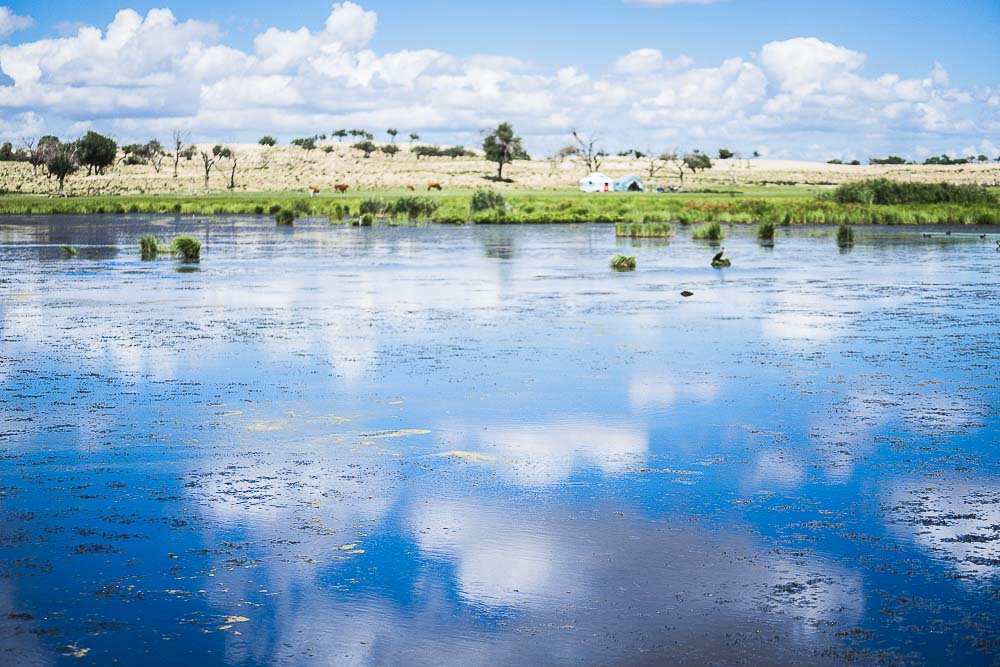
(845, 235)
(710, 232)
(186, 248)
(149, 245)
(882, 191)
(765, 231)
(285, 217)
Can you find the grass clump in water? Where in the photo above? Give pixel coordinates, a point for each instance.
(845, 235)
(765, 232)
(710, 232)
(285, 217)
(623, 263)
(644, 230)
(366, 220)
(186, 248)
(69, 251)
(149, 245)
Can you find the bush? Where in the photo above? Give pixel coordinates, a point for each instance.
(623, 263)
(883, 191)
(710, 232)
(375, 206)
(414, 208)
(186, 248)
(487, 199)
(647, 230)
(366, 220)
(285, 217)
(766, 231)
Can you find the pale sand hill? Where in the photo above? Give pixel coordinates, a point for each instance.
(285, 168)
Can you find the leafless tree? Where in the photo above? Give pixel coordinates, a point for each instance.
(587, 152)
(180, 138)
(34, 151)
(209, 160)
(656, 163)
(676, 162)
(230, 158)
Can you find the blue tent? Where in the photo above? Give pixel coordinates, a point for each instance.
(629, 184)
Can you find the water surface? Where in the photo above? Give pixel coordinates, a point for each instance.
(479, 445)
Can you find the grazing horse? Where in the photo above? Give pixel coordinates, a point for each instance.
(434, 186)
(341, 187)
(313, 190)
(411, 188)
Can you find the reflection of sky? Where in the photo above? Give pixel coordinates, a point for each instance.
(414, 438)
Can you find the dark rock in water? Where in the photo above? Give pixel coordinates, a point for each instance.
(686, 294)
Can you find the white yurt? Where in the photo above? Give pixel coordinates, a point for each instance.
(596, 182)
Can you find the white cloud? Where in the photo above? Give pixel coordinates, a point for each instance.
(144, 73)
(11, 22)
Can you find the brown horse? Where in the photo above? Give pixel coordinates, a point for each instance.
(341, 187)
(411, 188)
(434, 186)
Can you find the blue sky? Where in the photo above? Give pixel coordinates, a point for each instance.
(907, 39)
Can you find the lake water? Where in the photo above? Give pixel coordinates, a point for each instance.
(480, 445)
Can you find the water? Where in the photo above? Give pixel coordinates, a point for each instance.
(482, 446)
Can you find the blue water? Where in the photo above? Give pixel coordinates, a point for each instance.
(480, 445)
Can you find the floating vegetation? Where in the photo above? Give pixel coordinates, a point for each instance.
(623, 263)
(285, 217)
(186, 248)
(710, 232)
(765, 232)
(721, 263)
(644, 230)
(845, 235)
(366, 220)
(69, 251)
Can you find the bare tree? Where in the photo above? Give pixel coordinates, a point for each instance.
(676, 162)
(209, 160)
(229, 155)
(656, 163)
(34, 151)
(587, 152)
(180, 138)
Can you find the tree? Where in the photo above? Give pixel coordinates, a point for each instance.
(390, 150)
(655, 165)
(228, 154)
(209, 161)
(96, 152)
(307, 143)
(267, 140)
(503, 147)
(414, 137)
(61, 161)
(180, 138)
(38, 151)
(696, 160)
(588, 154)
(983, 158)
(725, 154)
(366, 147)
(674, 160)
(149, 153)
(392, 132)
(340, 134)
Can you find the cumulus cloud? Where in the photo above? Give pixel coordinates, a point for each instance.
(11, 22)
(142, 74)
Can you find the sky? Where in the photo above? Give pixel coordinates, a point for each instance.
(790, 79)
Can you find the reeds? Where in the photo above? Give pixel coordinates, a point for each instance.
(710, 232)
(845, 235)
(765, 231)
(186, 248)
(285, 217)
(149, 245)
(645, 230)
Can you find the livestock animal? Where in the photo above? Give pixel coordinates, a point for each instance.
(341, 187)
(411, 188)
(434, 186)
(313, 190)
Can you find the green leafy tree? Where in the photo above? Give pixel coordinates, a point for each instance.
(725, 154)
(306, 143)
(228, 155)
(503, 147)
(414, 137)
(696, 160)
(390, 150)
(61, 160)
(96, 152)
(267, 140)
(392, 132)
(366, 147)
(340, 134)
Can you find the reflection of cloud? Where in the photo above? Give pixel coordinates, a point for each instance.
(539, 455)
(958, 522)
(662, 391)
(805, 318)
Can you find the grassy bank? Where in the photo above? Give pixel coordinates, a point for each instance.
(780, 207)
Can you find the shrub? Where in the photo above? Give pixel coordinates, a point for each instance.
(883, 191)
(623, 263)
(710, 232)
(186, 248)
(487, 199)
(414, 208)
(366, 220)
(765, 232)
(285, 217)
(375, 206)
